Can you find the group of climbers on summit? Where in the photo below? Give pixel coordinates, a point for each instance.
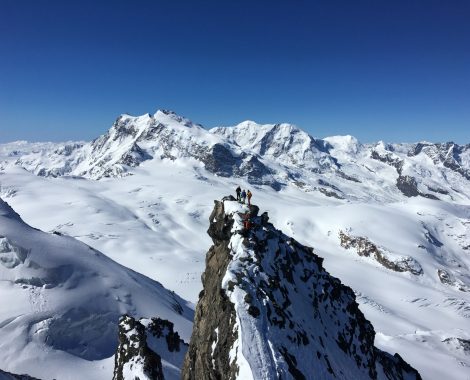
(242, 195)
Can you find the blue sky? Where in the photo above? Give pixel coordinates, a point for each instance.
(379, 70)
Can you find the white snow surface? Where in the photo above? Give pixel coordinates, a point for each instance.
(154, 222)
(64, 300)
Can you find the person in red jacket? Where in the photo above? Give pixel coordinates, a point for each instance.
(247, 221)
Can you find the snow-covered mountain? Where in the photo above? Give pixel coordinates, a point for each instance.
(284, 143)
(367, 209)
(278, 155)
(62, 301)
(269, 310)
(133, 140)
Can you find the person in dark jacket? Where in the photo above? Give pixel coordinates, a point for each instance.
(238, 191)
(243, 196)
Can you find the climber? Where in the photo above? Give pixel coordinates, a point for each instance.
(247, 221)
(238, 191)
(248, 195)
(243, 196)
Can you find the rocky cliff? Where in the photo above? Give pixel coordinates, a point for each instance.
(270, 310)
(149, 349)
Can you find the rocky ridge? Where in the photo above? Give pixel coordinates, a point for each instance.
(270, 310)
(364, 247)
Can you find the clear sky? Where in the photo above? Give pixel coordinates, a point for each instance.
(395, 70)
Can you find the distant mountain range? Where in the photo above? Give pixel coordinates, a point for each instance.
(277, 155)
(103, 288)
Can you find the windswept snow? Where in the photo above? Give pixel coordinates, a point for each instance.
(64, 300)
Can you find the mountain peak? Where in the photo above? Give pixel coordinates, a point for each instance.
(268, 303)
(171, 118)
(166, 112)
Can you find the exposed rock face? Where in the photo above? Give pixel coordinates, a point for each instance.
(329, 193)
(222, 161)
(148, 350)
(460, 344)
(448, 279)
(270, 310)
(213, 333)
(444, 277)
(388, 158)
(408, 186)
(364, 247)
(449, 154)
(134, 359)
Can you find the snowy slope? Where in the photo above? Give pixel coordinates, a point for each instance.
(154, 221)
(65, 299)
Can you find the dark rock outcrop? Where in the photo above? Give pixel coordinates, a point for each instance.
(389, 159)
(220, 160)
(133, 355)
(448, 154)
(459, 343)
(444, 277)
(364, 247)
(268, 303)
(408, 186)
(405, 183)
(150, 348)
(448, 279)
(215, 314)
(329, 193)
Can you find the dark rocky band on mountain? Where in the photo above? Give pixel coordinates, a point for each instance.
(277, 155)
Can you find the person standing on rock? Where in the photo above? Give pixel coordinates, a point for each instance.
(238, 191)
(248, 195)
(247, 222)
(243, 197)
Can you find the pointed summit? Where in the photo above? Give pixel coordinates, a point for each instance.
(171, 118)
(270, 310)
